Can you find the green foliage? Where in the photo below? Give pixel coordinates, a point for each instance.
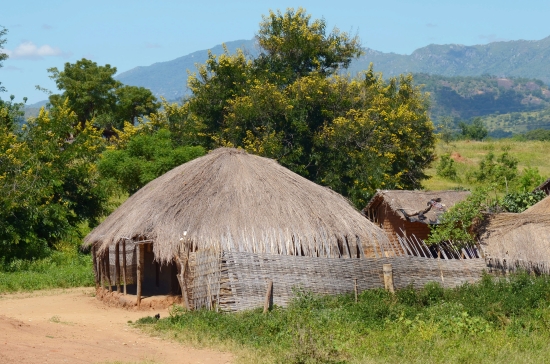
(500, 171)
(491, 321)
(446, 168)
(466, 97)
(48, 183)
(475, 130)
(529, 179)
(61, 269)
(11, 113)
(294, 46)
(457, 223)
(94, 94)
(144, 158)
(537, 134)
(521, 201)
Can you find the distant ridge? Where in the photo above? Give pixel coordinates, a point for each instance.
(169, 79)
(519, 58)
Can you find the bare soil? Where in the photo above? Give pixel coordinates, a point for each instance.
(72, 326)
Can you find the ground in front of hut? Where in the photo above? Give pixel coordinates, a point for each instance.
(72, 326)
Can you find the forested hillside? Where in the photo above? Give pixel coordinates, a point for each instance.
(464, 97)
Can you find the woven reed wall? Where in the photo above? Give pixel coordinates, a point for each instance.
(243, 277)
(131, 263)
(505, 266)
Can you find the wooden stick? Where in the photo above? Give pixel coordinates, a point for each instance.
(124, 265)
(268, 296)
(117, 267)
(355, 290)
(108, 272)
(139, 273)
(96, 272)
(101, 274)
(183, 283)
(388, 277)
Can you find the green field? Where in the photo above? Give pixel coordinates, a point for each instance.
(470, 153)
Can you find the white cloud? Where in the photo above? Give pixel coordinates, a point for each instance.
(13, 68)
(47, 27)
(29, 50)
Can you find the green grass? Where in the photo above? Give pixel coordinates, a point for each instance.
(492, 321)
(62, 269)
(529, 153)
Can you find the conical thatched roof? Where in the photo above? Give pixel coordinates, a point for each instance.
(231, 200)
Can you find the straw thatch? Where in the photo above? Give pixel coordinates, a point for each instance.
(520, 239)
(414, 201)
(541, 207)
(229, 200)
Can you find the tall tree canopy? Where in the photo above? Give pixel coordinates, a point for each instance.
(93, 93)
(351, 134)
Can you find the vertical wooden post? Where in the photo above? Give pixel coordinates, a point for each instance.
(108, 271)
(101, 274)
(268, 296)
(124, 264)
(355, 289)
(140, 254)
(388, 277)
(117, 267)
(96, 270)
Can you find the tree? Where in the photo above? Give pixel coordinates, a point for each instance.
(133, 102)
(89, 88)
(476, 130)
(354, 135)
(295, 46)
(93, 93)
(144, 158)
(48, 182)
(3, 56)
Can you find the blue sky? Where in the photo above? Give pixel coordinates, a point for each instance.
(126, 34)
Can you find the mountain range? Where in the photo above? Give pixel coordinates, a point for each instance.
(519, 58)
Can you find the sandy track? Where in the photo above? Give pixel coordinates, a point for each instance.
(71, 326)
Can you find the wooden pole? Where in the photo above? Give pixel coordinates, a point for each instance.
(268, 296)
(355, 288)
(124, 264)
(117, 267)
(101, 274)
(388, 277)
(183, 283)
(139, 273)
(96, 270)
(108, 271)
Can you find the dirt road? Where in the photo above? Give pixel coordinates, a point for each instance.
(71, 326)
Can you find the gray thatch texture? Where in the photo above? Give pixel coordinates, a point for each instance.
(229, 200)
(518, 239)
(414, 201)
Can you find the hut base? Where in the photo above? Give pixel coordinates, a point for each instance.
(115, 299)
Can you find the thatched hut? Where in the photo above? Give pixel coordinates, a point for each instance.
(409, 214)
(195, 229)
(512, 241)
